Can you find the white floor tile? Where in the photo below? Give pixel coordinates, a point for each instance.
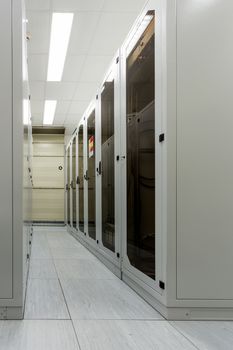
(42, 268)
(72, 253)
(45, 300)
(207, 335)
(60, 241)
(129, 335)
(82, 269)
(37, 335)
(41, 251)
(105, 299)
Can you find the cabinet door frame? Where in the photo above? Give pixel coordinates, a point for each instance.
(129, 271)
(74, 180)
(114, 72)
(92, 107)
(80, 232)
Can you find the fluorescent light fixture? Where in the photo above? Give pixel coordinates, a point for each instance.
(138, 32)
(59, 41)
(49, 112)
(25, 112)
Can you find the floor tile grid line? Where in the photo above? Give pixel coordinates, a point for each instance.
(51, 255)
(53, 259)
(124, 284)
(184, 335)
(76, 335)
(57, 277)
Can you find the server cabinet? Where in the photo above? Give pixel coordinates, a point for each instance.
(73, 182)
(16, 179)
(80, 178)
(174, 164)
(108, 142)
(141, 206)
(90, 173)
(68, 186)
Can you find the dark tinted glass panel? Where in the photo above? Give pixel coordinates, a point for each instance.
(141, 151)
(91, 174)
(80, 179)
(107, 158)
(68, 186)
(74, 180)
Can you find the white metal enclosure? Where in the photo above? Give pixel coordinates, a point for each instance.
(16, 153)
(172, 160)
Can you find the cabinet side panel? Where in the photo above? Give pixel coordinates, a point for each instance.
(205, 149)
(6, 151)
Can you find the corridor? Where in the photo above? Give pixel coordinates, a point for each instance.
(74, 302)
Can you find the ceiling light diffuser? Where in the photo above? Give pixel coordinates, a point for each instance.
(49, 112)
(59, 41)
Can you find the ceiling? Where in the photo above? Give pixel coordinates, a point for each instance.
(99, 28)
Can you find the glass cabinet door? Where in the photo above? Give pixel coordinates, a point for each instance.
(90, 175)
(68, 186)
(80, 180)
(107, 170)
(140, 124)
(74, 182)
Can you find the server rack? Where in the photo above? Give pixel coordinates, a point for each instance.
(173, 164)
(16, 153)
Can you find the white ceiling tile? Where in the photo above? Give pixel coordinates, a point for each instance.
(37, 107)
(59, 91)
(38, 5)
(77, 5)
(39, 24)
(37, 90)
(84, 27)
(59, 119)
(62, 107)
(78, 107)
(113, 28)
(37, 67)
(124, 5)
(85, 91)
(94, 68)
(73, 119)
(73, 68)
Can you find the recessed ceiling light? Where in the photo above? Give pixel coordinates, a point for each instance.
(59, 41)
(49, 112)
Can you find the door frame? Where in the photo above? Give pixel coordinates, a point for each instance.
(114, 257)
(128, 271)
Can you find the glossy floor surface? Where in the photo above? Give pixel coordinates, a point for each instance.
(74, 302)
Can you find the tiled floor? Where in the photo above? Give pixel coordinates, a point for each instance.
(75, 303)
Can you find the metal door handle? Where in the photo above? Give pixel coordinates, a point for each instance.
(99, 169)
(86, 176)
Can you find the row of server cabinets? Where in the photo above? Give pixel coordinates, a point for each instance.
(141, 186)
(16, 160)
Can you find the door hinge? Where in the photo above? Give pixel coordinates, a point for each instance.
(118, 255)
(117, 60)
(161, 137)
(161, 285)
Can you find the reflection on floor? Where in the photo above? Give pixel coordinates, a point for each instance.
(75, 303)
